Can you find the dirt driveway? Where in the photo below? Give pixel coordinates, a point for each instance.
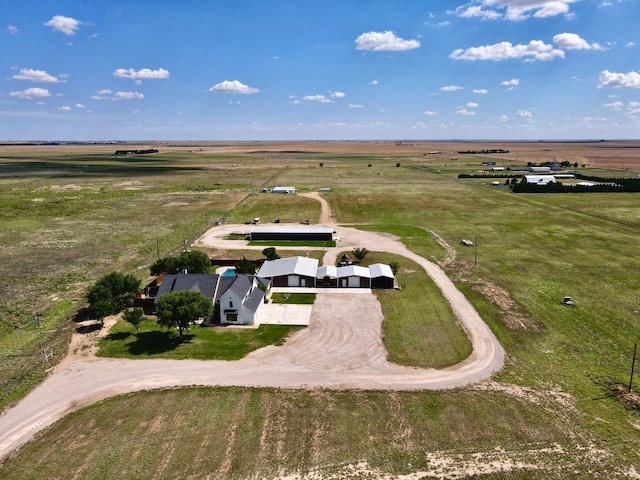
(341, 348)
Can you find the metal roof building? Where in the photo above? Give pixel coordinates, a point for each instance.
(291, 233)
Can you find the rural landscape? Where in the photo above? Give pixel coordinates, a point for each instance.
(363, 390)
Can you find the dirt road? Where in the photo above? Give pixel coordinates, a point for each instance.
(342, 348)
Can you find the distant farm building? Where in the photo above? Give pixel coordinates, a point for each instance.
(322, 234)
(325, 190)
(539, 169)
(497, 169)
(284, 190)
(539, 179)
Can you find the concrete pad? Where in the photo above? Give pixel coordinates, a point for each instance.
(280, 314)
(336, 291)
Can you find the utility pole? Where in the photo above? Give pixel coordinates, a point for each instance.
(158, 247)
(633, 364)
(37, 320)
(475, 252)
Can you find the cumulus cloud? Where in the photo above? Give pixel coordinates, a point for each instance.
(615, 106)
(317, 98)
(142, 74)
(451, 88)
(373, 82)
(524, 113)
(62, 24)
(514, 82)
(233, 87)
(79, 105)
(464, 111)
(480, 91)
(65, 109)
(472, 105)
(355, 105)
(429, 113)
(534, 50)
(619, 80)
(35, 76)
(12, 29)
(571, 41)
(31, 93)
(338, 95)
(504, 118)
(127, 96)
(384, 41)
(514, 10)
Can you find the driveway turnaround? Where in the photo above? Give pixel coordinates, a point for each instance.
(342, 348)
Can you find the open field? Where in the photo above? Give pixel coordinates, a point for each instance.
(73, 213)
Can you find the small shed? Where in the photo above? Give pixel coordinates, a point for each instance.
(381, 276)
(327, 276)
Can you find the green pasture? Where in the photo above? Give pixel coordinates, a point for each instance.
(294, 298)
(65, 224)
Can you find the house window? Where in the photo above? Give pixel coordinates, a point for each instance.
(232, 317)
(230, 303)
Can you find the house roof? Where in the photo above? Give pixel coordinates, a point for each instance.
(195, 282)
(327, 271)
(254, 300)
(289, 266)
(380, 270)
(353, 271)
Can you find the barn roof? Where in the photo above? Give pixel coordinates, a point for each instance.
(380, 270)
(353, 271)
(291, 229)
(327, 271)
(289, 266)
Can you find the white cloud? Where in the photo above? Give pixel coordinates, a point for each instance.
(514, 82)
(65, 109)
(419, 125)
(35, 76)
(355, 105)
(127, 96)
(384, 41)
(12, 29)
(630, 44)
(571, 41)
(373, 82)
(338, 95)
(534, 50)
(619, 80)
(429, 113)
(472, 105)
(514, 10)
(480, 91)
(451, 88)
(317, 98)
(233, 87)
(31, 93)
(63, 24)
(634, 104)
(615, 106)
(142, 74)
(524, 114)
(464, 111)
(79, 105)
(504, 118)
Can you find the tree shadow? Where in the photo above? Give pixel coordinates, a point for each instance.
(92, 327)
(82, 315)
(155, 342)
(117, 336)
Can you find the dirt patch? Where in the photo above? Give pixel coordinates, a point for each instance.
(510, 312)
(630, 400)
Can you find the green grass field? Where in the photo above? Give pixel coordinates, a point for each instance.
(551, 415)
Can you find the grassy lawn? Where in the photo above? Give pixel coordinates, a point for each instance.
(294, 298)
(203, 343)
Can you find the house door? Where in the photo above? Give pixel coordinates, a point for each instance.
(293, 281)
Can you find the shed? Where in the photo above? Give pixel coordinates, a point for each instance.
(539, 169)
(284, 190)
(292, 233)
(327, 276)
(381, 276)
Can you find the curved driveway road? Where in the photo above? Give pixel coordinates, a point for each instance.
(342, 348)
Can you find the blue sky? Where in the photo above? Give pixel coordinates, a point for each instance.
(319, 69)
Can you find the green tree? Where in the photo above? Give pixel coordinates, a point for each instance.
(245, 267)
(270, 253)
(111, 294)
(134, 317)
(360, 253)
(395, 266)
(194, 261)
(181, 309)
